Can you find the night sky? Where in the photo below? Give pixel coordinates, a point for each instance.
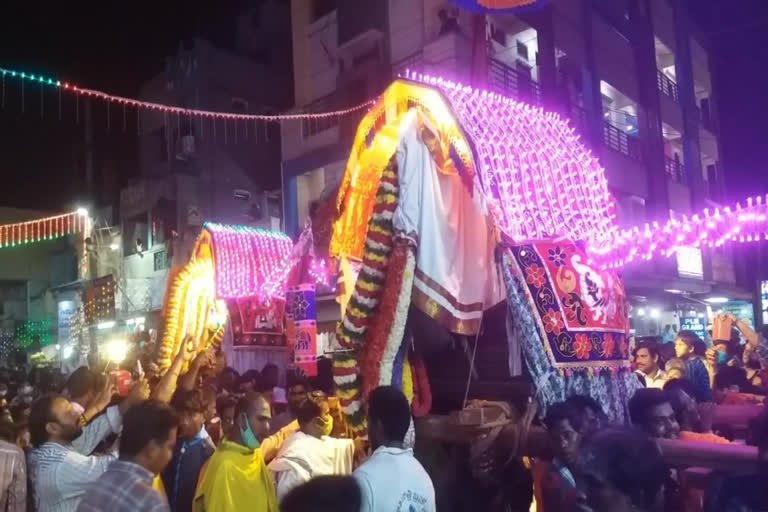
(117, 48)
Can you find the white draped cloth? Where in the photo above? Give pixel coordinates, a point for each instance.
(455, 278)
(303, 457)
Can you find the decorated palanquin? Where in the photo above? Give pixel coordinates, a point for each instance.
(233, 269)
(454, 200)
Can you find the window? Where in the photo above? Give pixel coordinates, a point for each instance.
(164, 222)
(135, 232)
(161, 260)
(522, 50)
(158, 231)
(499, 36)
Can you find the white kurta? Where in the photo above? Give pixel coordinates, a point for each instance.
(304, 457)
(456, 278)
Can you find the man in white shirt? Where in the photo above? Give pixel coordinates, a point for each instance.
(310, 452)
(60, 466)
(392, 480)
(647, 362)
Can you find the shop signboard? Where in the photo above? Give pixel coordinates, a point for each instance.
(66, 313)
(689, 262)
(741, 309)
(695, 324)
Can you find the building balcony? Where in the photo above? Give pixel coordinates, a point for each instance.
(508, 81)
(413, 62)
(675, 170)
(617, 140)
(667, 86)
(578, 117)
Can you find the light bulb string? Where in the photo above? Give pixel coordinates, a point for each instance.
(149, 105)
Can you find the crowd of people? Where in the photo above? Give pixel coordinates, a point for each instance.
(202, 437)
(199, 437)
(602, 467)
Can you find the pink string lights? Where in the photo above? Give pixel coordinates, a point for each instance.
(710, 229)
(249, 261)
(320, 271)
(540, 181)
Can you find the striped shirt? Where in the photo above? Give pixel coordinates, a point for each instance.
(125, 487)
(61, 473)
(13, 478)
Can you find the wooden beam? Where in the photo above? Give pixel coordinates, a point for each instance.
(726, 457)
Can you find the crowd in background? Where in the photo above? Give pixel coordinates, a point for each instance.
(202, 437)
(601, 467)
(198, 437)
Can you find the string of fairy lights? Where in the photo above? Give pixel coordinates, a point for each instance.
(40, 82)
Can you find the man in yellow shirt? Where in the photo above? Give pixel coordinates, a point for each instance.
(236, 476)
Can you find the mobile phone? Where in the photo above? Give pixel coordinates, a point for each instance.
(123, 381)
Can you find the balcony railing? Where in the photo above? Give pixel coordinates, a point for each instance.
(508, 81)
(675, 170)
(310, 127)
(620, 142)
(578, 118)
(667, 86)
(413, 62)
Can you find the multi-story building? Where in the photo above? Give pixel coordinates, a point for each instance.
(36, 279)
(197, 169)
(634, 78)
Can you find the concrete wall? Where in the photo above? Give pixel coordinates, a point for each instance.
(29, 271)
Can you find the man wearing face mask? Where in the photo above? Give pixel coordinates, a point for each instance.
(310, 452)
(236, 476)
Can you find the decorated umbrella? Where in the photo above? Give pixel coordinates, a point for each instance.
(482, 6)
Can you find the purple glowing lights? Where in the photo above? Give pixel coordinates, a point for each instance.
(249, 261)
(540, 182)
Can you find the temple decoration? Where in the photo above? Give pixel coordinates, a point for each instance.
(236, 265)
(541, 182)
(457, 171)
(191, 310)
(249, 261)
(301, 327)
(256, 323)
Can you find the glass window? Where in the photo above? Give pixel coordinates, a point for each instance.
(135, 232)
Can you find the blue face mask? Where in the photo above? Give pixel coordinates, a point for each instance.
(249, 438)
(722, 358)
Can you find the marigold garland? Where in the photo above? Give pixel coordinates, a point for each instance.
(378, 246)
(351, 331)
(378, 344)
(404, 254)
(407, 381)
